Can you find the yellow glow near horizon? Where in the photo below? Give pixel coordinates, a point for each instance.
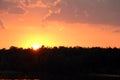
(36, 46)
(50, 36)
(28, 41)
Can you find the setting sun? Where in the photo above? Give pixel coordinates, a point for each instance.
(36, 46)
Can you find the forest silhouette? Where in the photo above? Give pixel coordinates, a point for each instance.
(60, 62)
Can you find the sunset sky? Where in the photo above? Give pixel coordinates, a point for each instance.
(85, 23)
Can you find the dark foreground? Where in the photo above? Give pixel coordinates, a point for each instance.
(64, 77)
(60, 63)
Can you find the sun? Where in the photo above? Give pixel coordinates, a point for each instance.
(36, 46)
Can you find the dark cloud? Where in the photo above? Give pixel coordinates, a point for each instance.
(48, 1)
(17, 10)
(1, 25)
(117, 31)
(89, 11)
(26, 2)
(11, 7)
(72, 11)
(4, 5)
(29, 2)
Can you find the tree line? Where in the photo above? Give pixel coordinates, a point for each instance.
(61, 60)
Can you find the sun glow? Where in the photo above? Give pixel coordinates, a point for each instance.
(36, 46)
(36, 40)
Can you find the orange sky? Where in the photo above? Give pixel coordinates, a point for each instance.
(59, 23)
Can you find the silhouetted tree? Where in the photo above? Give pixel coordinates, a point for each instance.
(61, 60)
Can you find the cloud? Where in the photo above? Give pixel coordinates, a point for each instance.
(16, 10)
(11, 6)
(21, 6)
(51, 7)
(51, 2)
(87, 11)
(33, 3)
(117, 31)
(51, 12)
(1, 25)
(70, 11)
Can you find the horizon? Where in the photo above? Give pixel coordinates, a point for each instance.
(43, 46)
(84, 23)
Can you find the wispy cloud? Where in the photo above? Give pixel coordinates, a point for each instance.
(70, 11)
(89, 11)
(51, 12)
(14, 7)
(33, 3)
(2, 25)
(117, 31)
